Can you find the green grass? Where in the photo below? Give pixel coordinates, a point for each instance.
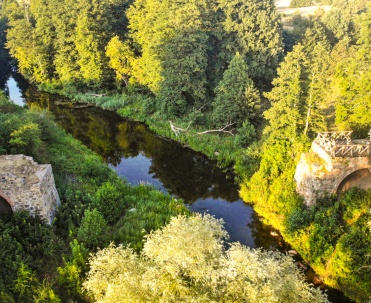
(149, 210)
(83, 181)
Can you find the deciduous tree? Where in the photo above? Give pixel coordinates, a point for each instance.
(186, 261)
(256, 30)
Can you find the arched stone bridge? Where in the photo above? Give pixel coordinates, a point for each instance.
(334, 163)
(24, 184)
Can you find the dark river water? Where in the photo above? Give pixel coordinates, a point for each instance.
(139, 155)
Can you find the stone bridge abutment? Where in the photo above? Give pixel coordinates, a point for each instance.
(26, 185)
(320, 172)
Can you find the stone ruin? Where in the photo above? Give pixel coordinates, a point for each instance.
(26, 185)
(318, 173)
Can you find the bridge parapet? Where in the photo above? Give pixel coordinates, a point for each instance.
(332, 158)
(340, 144)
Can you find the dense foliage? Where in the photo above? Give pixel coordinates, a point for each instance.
(315, 91)
(300, 3)
(335, 233)
(214, 65)
(94, 212)
(186, 261)
(177, 51)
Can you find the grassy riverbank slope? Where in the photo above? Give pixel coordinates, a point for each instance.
(333, 237)
(41, 262)
(253, 96)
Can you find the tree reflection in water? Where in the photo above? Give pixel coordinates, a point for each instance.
(139, 155)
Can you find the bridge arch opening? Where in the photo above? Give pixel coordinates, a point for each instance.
(360, 178)
(5, 207)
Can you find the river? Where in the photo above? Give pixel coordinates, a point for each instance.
(138, 155)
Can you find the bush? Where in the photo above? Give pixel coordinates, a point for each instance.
(186, 261)
(93, 230)
(245, 135)
(109, 200)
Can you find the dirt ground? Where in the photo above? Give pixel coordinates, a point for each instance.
(283, 6)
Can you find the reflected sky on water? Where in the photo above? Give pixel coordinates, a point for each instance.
(140, 156)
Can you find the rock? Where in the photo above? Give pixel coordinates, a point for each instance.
(273, 233)
(317, 280)
(216, 154)
(292, 252)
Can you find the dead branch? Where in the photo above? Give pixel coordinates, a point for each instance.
(177, 130)
(220, 130)
(96, 95)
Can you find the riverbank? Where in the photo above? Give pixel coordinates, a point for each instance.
(97, 206)
(311, 242)
(228, 148)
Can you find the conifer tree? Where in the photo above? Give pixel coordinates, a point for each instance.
(90, 57)
(353, 85)
(236, 98)
(66, 56)
(256, 30)
(285, 117)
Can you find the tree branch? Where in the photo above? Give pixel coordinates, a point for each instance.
(220, 130)
(177, 130)
(95, 95)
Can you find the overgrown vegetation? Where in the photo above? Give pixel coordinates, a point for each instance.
(186, 261)
(214, 66)
(307, 97)
(334, 232)
(94, 211)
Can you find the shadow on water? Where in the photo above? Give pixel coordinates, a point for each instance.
(5, 74)
(139, 155)
(126, 144)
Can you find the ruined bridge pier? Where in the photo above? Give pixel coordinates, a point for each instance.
(26, 185)
(334, 163)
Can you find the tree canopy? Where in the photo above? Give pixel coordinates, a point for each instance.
(186, 261)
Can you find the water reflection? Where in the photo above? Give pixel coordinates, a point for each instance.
(141, 156)
(5, 73)
(12, 84)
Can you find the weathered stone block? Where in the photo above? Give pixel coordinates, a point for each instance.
(28, 185)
